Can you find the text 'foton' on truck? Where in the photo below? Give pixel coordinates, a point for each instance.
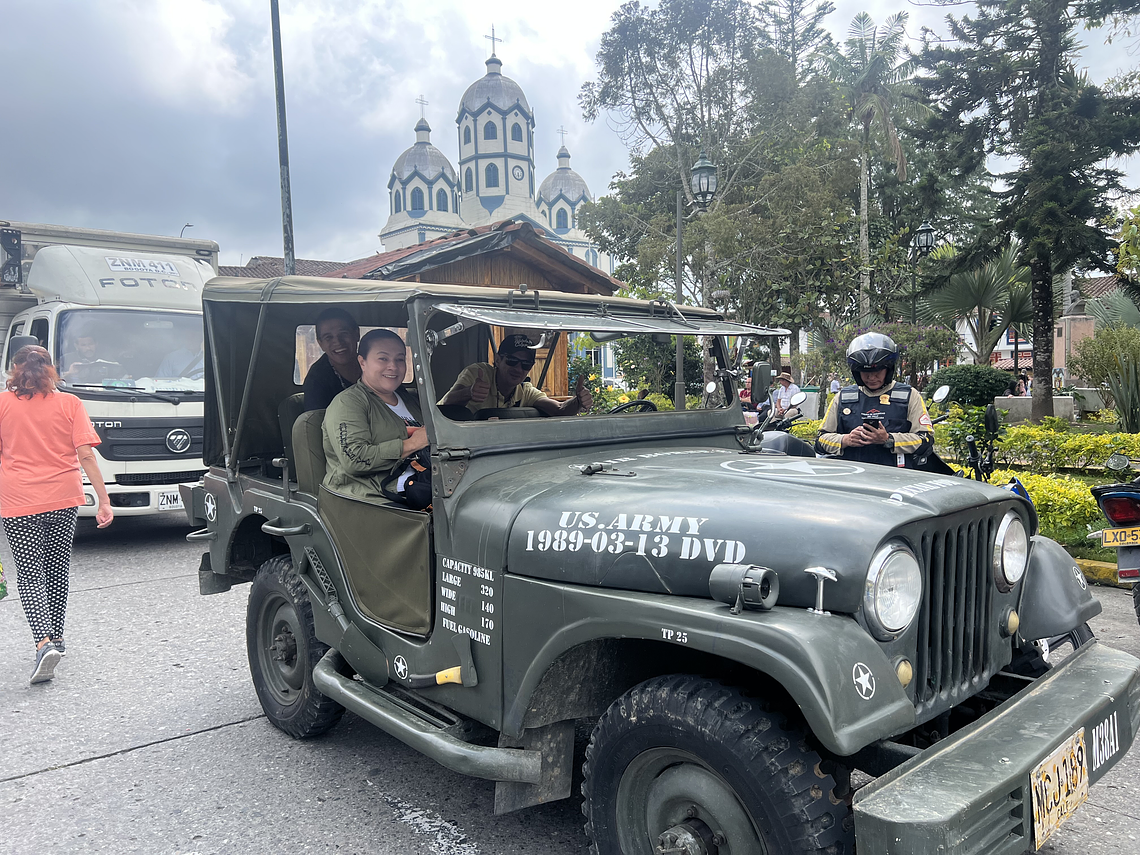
(737, 628)
(125, 332)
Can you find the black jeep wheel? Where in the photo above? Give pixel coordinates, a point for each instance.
(691, 765)
(283, 649)
(1136, 599)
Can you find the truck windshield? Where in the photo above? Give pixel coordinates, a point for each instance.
(147, 350)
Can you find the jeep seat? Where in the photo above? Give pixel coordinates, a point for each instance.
(287, 413)
(309, 448)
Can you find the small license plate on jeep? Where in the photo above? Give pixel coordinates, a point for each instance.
(1060, 785)
(170, 500)
(1121, 536)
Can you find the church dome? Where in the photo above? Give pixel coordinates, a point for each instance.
(423, 157)
(501, 91)
(564, 180)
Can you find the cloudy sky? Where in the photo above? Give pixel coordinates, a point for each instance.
(143, 115)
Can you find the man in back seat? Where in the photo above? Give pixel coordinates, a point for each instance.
(337, 335)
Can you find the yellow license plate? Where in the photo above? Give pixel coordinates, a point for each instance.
(1121, 536)
(1060, 785)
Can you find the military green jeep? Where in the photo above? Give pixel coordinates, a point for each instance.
(740, 627)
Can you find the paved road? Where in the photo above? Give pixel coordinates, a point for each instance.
(151, 738)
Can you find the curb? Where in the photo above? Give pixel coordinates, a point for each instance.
(1100, 573)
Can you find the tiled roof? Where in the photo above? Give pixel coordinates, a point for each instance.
(268, 266)
(1098, 286)
(1024, 362)
(422, 256)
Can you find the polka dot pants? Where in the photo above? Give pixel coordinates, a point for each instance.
(41, 545)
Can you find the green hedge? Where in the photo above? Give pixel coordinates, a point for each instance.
(1065, 507)
(970, 385)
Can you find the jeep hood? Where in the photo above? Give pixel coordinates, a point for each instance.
(659, 519)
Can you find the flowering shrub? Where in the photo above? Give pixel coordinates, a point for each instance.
(1044, 450)
(1066, 508)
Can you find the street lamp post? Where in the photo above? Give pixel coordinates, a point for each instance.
(703, 183)
(922, 247)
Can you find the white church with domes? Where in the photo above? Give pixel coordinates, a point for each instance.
(495, 181)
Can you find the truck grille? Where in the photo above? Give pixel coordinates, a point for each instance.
(146, 439)
(955, 644)
(158, 479)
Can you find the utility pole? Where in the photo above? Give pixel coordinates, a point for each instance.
(282, 143)
(679, 388)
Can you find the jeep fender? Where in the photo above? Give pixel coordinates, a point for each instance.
(1055, 597)
(815, 658)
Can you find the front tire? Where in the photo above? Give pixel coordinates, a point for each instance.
(283, 650)
(688, 764)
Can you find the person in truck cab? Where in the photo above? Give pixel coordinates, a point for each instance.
(338, 336)
(374, 424)
(485, 386)
(877, 420)
(87, 363)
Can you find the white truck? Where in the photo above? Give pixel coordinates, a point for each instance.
(122, 317)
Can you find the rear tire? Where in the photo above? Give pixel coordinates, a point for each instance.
(679, 758)
(283, 650)
(1136, 599)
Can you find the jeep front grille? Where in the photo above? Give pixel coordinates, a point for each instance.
(955, 644)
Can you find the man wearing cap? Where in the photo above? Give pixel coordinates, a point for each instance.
(484, 386)
(782, 396)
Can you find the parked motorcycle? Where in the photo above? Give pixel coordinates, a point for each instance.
(1120, 504)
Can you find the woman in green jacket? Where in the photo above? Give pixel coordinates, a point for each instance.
(371, 426)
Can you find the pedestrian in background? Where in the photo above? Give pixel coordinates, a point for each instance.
(45, 437)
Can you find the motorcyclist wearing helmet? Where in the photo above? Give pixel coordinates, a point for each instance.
(877, 420)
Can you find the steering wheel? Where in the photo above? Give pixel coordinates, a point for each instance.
(640, 404)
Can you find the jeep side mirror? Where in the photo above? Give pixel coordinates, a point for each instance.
(761, 379)
(941, 394)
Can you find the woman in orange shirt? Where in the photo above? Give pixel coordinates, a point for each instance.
(45, 436)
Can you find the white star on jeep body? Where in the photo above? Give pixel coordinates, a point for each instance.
(864, 681)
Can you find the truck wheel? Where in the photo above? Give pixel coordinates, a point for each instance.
(1136, 599)
(283, 649)
(690, 765)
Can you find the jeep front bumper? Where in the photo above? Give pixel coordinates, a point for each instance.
(971, 793)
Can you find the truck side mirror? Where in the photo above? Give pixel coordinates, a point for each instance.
(761, 380)
(16, 342)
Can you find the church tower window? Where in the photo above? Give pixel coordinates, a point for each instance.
(468, 181)
(467, 136)
(441, 201)
(399, 207)
(492, 175)
(560, 220)
(516, 132)
(490, 132)
(417, 199)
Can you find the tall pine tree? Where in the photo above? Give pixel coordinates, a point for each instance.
(1007, 85)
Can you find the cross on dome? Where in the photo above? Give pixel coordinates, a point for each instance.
(563, 132)
(493, 39)
(423, 103)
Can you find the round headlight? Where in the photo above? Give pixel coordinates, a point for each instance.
(893, 591)
(1011, 552)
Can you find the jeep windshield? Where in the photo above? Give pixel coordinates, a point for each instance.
(139, 351)
(627, 361)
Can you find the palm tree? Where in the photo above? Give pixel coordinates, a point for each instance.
(878, 91)
(988, 300)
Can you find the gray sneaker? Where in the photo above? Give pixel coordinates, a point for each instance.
(47, 657)
(60, 646)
